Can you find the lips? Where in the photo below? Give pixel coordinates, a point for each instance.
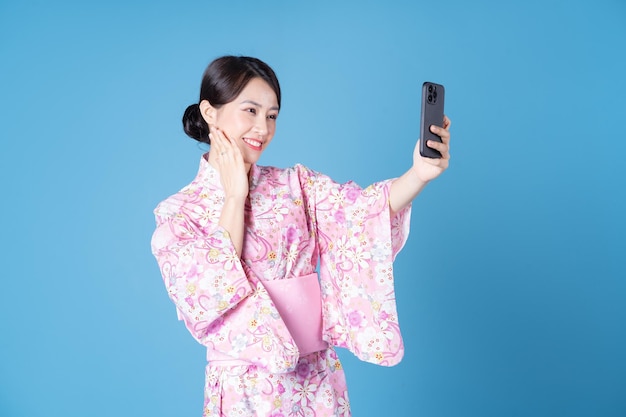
(253, 143)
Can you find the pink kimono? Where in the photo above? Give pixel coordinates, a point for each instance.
(268, 324)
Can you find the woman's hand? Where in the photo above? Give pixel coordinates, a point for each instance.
(427, 169)
(410, 184)
(226, 157)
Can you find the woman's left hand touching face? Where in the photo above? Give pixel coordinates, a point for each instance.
(428, 169)
(226, 157)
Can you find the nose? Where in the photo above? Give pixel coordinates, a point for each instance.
(260, 125)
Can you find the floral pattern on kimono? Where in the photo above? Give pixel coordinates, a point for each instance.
(295, 220)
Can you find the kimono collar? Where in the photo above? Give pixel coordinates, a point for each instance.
(207, 174)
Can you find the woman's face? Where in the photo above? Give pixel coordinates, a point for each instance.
(249, 121)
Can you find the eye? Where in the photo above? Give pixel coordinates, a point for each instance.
(272, 116)
(251, 110)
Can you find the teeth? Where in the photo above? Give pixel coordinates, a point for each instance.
(253, 142)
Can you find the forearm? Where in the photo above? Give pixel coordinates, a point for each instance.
(404, 189)
(232, 219)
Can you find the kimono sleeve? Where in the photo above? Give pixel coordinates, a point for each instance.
(358, 241)
(220, 305)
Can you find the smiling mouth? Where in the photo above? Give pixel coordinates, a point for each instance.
(254, 144)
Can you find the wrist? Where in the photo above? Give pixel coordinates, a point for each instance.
(416, 178)
(233, 203)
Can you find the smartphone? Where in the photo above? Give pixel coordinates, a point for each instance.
(432, 114)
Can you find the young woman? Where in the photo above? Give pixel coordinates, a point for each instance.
(238, 249)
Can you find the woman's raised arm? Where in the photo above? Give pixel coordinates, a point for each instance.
(405, 188)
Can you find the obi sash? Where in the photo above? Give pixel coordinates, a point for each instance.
(299, 302)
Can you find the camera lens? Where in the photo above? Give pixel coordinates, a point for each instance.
(435, 95)
(430, 88)
(430, 98)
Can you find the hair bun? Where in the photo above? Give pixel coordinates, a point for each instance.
(194, 125)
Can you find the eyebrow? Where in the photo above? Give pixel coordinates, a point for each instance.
(254, 103)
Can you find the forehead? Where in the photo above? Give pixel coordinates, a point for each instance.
(260, 92)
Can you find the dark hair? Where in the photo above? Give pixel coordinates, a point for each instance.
(222, 82)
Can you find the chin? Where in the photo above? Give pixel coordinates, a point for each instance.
(250, 161)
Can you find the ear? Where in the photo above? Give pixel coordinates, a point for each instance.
(208, 112)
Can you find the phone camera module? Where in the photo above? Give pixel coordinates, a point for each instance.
(430, 88)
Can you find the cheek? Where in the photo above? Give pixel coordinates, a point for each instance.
(270, 133)
(231, 122)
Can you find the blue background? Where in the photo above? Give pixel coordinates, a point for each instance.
(511, 289)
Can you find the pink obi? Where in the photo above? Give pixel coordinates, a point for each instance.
(299, 302)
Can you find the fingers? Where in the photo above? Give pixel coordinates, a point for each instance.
(446, 122)
(217, 144)
(444, 133)
(228, 161)
(221, 144)
(444, 146)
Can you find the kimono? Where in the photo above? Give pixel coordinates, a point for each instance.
(299, 225)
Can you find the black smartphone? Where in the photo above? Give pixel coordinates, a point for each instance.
(432, 114)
